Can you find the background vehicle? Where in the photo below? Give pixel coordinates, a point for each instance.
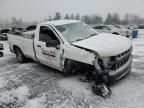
(141, 27)
(111, 29)
(1, 48)
(69, 46)
(30, 28)
(124, 29)
(3, 34)
(18, 29)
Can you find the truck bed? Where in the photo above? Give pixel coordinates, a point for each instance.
(28, 34)
(24, 41)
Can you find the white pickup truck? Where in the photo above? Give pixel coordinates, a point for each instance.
(72, 46)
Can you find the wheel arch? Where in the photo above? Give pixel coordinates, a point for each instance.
(15, 47)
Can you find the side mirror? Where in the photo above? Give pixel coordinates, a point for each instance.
(33, 36)
(52, 43)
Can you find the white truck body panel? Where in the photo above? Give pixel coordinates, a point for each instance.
(78, 54)
(105, 44)
(25, 44)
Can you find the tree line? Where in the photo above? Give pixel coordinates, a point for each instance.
(111, 18)
(97, 19)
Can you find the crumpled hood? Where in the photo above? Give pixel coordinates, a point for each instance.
(105, 44)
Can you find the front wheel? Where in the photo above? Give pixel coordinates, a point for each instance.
(20, 56)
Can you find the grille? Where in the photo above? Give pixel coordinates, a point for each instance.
(119, 60)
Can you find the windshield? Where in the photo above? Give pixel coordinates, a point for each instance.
(76, 31)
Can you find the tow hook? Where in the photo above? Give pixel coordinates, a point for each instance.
(101, 87)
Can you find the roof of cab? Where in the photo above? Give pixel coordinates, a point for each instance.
(59, 22)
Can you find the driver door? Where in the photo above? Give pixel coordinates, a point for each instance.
(48, 55)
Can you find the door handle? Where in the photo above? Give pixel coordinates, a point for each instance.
(39, 46)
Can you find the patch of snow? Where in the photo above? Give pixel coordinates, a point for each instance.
(3, 82)
(14, 96)
(66, 104)
(36, 103)
(6, 50)
(129, 94)
(22, 92)
(74, 85)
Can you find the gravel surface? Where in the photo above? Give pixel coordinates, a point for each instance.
(32, 85)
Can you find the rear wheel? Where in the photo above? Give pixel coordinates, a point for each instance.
(20, 56)
(1, 54)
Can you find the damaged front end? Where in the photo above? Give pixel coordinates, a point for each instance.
(114, 67)
(109, 70)
(101, 78)
(91, 64)
(102, 70)
(100, 74)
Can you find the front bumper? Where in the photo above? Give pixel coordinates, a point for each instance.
(121, 72)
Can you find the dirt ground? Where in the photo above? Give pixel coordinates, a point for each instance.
(32, 85)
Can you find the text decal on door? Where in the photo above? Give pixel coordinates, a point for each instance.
(50, 52)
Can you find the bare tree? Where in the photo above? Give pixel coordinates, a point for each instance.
(57, 16)
(16, 21)
(108, 19)
(66, 16)
(97, 19)
(77, 17)
(50, 18)
(87, 19)
(72, 16)
(116, 19)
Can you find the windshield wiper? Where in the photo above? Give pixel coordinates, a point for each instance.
(77, 40)
(93, 34)
(85, 37)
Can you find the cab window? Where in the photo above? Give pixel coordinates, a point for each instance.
(46, 34)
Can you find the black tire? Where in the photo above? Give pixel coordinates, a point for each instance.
(116, 33)
(71, 68)
(20, 56)
(68, 68)
(1, 54)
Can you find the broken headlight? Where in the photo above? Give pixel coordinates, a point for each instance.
(103, 62)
